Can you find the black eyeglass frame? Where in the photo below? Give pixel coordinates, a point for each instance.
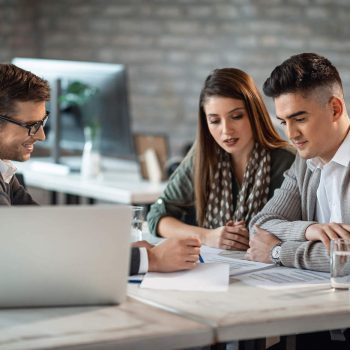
(33, 128)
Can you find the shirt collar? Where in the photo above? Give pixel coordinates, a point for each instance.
(342, 156)
(314, 163)
(7, 169)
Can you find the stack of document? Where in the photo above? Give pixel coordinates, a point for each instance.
(235, 259)
(219, 265)
(267, 276)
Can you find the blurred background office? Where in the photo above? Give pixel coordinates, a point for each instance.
(169, 47)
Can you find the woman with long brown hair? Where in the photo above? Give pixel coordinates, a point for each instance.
(236, 163)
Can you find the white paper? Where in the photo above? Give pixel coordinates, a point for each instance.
(284, 277)
(204, 278)
(234, 258)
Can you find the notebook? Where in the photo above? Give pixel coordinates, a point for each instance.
(64, 255)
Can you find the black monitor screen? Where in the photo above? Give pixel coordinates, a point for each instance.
(110, 103)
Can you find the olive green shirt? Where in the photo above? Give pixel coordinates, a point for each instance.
(177, 199)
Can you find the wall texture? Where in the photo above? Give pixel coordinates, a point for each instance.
(170, 47)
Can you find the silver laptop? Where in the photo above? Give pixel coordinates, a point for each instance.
(68, 255)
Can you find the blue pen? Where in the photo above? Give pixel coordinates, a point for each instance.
(135, 281)
(201, 259)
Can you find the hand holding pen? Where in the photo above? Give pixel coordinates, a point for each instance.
(174, 254)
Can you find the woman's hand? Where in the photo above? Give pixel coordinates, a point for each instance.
(232, 236)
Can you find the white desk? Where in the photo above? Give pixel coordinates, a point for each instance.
(132, 325)
(246, 312)
(120, 182)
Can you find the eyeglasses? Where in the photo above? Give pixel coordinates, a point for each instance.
(32, 127)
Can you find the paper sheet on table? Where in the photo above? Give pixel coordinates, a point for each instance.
(234, 258)
(204, 278)
(284, 277)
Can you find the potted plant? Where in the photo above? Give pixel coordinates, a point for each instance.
(82, 99)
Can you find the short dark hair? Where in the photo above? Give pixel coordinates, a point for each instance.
(304, 73)
(19, 85)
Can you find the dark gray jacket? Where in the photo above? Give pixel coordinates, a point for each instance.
(14, 193)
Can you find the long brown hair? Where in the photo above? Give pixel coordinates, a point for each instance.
(236, 84)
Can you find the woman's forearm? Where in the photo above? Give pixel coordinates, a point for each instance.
(171, 227)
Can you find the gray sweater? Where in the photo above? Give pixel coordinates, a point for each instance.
(292, 209)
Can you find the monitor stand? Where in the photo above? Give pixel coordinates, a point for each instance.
(55, 120)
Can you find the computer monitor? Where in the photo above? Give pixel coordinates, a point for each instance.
(65, 128)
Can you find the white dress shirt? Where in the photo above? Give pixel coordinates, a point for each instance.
(328, 192)
(143, 260)
(7, 169)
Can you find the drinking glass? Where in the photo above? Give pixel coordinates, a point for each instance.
(340, 263)
(137, 219)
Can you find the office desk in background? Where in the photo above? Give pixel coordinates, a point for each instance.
(119, 182)
(247, 312)
(131, 325)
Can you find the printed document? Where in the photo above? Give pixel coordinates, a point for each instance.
(234, 258)
(285, 277)
(204, 277)
(263, 275)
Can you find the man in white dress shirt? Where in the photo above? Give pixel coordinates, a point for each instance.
(23, 115)
(313, 204)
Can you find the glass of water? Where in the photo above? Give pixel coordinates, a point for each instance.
(137, 219)
(340, 263)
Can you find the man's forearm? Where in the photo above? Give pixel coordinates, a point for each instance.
(283, 229)
(305, 255)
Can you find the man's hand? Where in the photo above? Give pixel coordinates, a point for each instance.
(326, 232)
(174, 254)
(233, 236)
(260, 246)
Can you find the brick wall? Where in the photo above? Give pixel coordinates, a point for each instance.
(170, 47)
(17, 33)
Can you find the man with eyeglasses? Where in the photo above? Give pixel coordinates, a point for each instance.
(23, 115)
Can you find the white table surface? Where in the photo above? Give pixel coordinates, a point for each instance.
(246, 312)
(119, 182)
(132, 325)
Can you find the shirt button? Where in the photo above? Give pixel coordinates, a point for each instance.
(160, 201)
